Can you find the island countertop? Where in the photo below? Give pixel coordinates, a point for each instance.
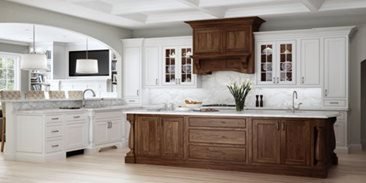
(245, 113)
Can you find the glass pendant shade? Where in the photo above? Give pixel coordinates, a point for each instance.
(86, 66)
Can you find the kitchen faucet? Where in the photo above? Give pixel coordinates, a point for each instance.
(293, 108)
(83, 101)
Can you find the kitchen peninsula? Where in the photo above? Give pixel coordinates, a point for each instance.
(279, 142)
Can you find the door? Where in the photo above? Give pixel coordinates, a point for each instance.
(115, 131)
(207, 41)
(170, 66)
(76, 136)
(286, 54)
(151, 66)
(100, 132)
(266, 141)
(265, 63)
(310, 62)
(186, 76)
(237, 40)
(172, 137)
(335, 56)
(295, 142)
(148, 135)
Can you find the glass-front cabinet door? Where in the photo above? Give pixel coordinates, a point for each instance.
(178, 66)
(170, 66)
(276, 63)
(265, 62)
(286, 63)
(186, 66)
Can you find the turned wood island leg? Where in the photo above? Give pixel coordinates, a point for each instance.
(130, 156)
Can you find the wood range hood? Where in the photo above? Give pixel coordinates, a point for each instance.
(224, 44)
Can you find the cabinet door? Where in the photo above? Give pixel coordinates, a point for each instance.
(148, 135)
(100, 133)
(172, 137)
(115, 131)
(265, 63)
(286, 63)
(132, 70)
(207, 41)
(151, 66)
(170, 66)
(186, 76)
(76, 136)
(295, 142)
(335, 56)
(266, 141)
(310, 62)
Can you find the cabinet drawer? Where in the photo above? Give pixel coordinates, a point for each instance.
(217, 122)
(54, 145)
(76, 117)
(54, 119)
(217, 136)
(226, 154)
(335, 103)
(105, 116)
(54, 131)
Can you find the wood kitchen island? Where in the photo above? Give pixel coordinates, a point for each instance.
(276, 142)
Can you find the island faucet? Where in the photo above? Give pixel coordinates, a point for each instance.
(83, 101)
(293, 108)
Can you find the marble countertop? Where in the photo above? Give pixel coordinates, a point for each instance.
(245, 113)
(86, 109)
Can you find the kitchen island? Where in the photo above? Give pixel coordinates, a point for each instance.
(279, 142)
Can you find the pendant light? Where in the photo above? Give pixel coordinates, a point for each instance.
(86, 66)
(34, 61)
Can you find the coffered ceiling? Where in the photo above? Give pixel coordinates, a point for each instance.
(135, 14)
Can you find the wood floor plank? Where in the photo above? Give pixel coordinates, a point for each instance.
(108, 167)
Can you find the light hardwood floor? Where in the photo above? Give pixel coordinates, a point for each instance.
(108, 167)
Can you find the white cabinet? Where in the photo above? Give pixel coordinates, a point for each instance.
(47, 135)
(276, 62)
(76, 131)
(336, 67)
(310, 62)
(131, 70)
(107, 128)
(151, 65)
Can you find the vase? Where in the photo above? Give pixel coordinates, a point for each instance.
(239, 105)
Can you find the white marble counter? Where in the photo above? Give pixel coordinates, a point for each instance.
(86, 109)
(245, 113)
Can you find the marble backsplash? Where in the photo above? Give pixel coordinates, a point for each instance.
(214, 91)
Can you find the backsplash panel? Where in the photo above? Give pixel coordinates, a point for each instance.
(214, 91)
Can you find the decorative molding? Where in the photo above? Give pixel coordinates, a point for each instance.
(313, 5)
(354, 148)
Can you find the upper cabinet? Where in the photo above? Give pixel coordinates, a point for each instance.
(168, 62)
(310, 62)
(224, 44)
(276, 61)
(131, 70)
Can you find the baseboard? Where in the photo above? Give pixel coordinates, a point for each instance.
(363, 142)
(354, 148)
(342, 150)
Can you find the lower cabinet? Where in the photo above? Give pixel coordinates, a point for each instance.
(107, 128)
(76, 135)
(281, 142)
(159, 137)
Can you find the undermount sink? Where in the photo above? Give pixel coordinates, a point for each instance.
(69, 107)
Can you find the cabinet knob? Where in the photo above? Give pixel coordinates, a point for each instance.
(303, 80)
(138, 92)
(274, 80)
(156, 81)
(326, 92)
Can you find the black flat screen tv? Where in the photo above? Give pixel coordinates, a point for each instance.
(101, 55)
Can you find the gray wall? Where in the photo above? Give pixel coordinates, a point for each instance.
(17, 13)
(357, 54)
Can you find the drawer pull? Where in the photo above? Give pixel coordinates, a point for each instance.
(76, 117)
(55, 131)
(333, 102)
(54, 146)
(54, 118)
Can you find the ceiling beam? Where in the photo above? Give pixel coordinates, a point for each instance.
(313, 5)
(195, 4)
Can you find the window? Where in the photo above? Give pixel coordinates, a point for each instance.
(9, 67)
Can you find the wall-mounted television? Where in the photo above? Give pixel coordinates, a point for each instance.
(101, 55)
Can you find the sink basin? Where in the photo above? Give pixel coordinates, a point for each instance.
(69, 107)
